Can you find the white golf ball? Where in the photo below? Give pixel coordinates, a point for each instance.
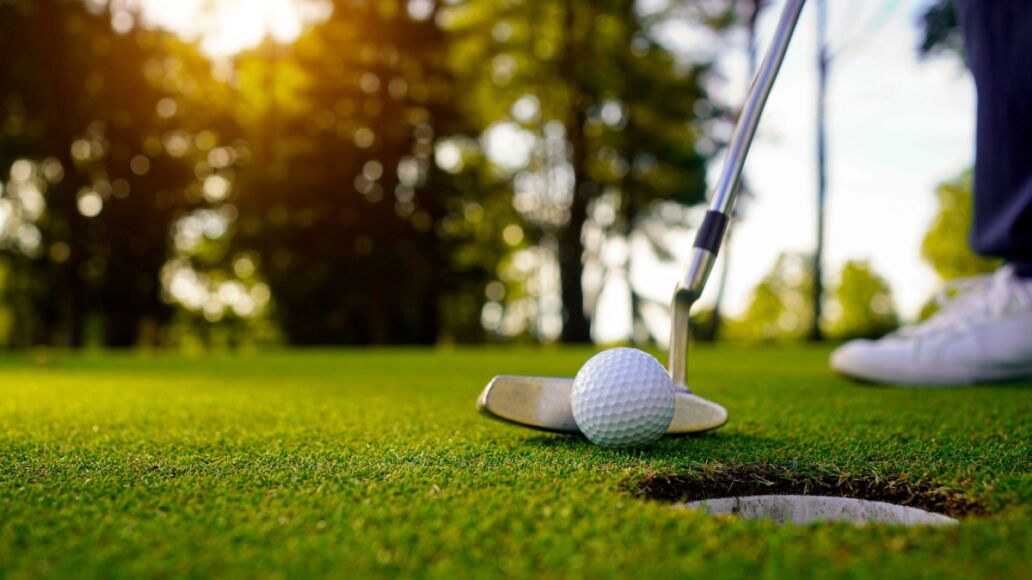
(623, 397)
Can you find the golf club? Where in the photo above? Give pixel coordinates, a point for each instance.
(545, 402)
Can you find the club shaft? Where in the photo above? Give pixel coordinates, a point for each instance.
(725, 192)
(711, 232)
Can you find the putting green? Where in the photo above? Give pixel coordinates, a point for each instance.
(373, 462)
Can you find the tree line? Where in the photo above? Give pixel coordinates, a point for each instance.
(341, 188)
(404, 172)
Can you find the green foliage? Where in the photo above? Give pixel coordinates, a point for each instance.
(192, 334)
(701, 325)
(590, 86)
(342, 198)
(141, 171)
(781, 304)
(780, 309)
(863, 304)
(945, 247)
(367, 464)
(97, 171)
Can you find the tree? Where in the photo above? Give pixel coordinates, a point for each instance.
(342, 199)
(95, 183)
(326, 183)
(945, 246)
(863, 305)
(625, 144)
(781, 307)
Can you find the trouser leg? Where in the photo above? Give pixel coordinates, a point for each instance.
(998, 41)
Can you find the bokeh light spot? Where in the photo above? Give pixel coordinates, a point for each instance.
(90, 203)
(512, 234)
(216, 188)
(140, 165)
(166, 108)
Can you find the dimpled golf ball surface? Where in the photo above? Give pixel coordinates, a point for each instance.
(623, 397)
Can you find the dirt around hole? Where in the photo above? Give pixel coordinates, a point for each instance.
(720, 481)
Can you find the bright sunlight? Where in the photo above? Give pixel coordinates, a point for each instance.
(226, 27)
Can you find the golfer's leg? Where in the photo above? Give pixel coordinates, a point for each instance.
(967, 342)
(998, 39)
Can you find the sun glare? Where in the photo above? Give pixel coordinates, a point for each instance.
(226, 27)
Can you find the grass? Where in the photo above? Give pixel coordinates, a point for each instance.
(373, 462)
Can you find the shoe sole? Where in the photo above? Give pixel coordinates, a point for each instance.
(943, 377)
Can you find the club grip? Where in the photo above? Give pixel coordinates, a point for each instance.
(711, 232)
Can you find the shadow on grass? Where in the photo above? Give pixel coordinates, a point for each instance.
(670, 447)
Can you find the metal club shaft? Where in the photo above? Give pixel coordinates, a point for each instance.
(714, 225)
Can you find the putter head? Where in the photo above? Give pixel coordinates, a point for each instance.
(544, 403)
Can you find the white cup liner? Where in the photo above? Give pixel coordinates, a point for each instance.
(806, 509)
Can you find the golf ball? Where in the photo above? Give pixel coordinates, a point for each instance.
(623, 397)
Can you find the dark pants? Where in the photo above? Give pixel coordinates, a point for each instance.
(998, 40)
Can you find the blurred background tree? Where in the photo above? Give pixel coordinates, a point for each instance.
(945, 245)
(863, 306)
(944, 248)
(95, 178)
(589, 149)
(781, 308)
(378, 171)
(342, 196)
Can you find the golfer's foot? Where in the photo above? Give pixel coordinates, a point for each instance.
(982, 334)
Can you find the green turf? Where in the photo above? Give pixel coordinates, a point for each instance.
(373, 462)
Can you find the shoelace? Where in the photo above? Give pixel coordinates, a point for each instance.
(967, 301)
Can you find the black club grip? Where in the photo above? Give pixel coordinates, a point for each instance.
(711, 232)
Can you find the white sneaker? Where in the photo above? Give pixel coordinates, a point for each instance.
(982, 334)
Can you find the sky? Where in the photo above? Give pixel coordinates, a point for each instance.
(897, 127)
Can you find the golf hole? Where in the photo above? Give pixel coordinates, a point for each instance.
(807, 509)
(802, 495)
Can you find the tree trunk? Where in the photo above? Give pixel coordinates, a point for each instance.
(65, 277)
(629, 186)
(576, 323)
(629, 191)
(822, 180)
(120, 328)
